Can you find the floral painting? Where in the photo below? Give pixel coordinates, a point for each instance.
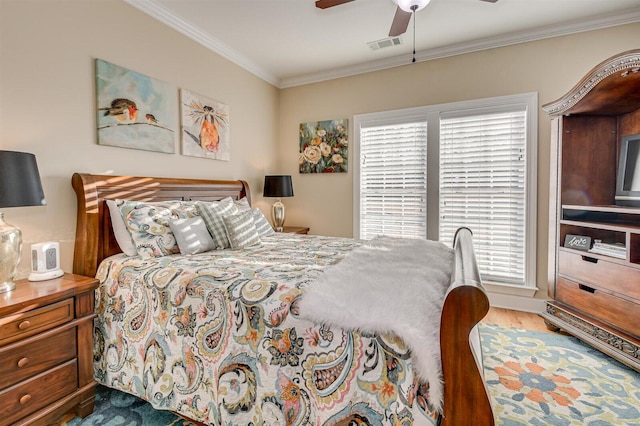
(134, 111)
(205, 127)
(324, 146)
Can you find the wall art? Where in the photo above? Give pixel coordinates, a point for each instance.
(134, 111)
(324, 146)
(205, 127)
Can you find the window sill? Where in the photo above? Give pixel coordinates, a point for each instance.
(510, 289)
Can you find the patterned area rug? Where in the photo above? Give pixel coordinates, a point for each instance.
(534, 378)
(537, 378)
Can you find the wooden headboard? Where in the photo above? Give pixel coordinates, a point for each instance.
(95, 240)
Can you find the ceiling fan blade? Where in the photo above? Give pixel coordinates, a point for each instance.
(323, 4)
(400, 22)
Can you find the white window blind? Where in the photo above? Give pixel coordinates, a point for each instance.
(393, 180)
(482, 186)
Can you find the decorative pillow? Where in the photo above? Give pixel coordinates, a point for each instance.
(123, 237)
(242, 204)
(241, 230)
(191, 235)
(262, 224)
(148, 224)
(212, 213)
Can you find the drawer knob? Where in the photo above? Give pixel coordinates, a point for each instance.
(24, 325)
(25, 399)
(23, 362)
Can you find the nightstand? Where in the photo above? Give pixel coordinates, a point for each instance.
(46, 350)
(295, 229)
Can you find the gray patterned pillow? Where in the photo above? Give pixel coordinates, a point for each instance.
(241, 230)
(192, 235)
(262, 224)
(212, 213)
(148, 224)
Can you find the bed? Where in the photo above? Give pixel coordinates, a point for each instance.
(161, 338)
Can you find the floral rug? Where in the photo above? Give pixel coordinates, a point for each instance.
(534, 378)
(537, 378)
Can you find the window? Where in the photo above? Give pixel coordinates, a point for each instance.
(393, 180)
(424, 172)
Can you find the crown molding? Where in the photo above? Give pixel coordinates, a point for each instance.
(605, 21)
(162, 14)
(185, 27)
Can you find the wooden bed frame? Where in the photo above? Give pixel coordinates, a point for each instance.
(466, 400)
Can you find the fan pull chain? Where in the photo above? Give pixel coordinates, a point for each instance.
(413, 11)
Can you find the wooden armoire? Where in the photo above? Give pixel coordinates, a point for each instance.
(593, 296)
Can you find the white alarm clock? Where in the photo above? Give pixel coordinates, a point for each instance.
(45, 261)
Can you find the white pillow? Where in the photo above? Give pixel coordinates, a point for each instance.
(123, 237)
(191, 235)
(242, 204)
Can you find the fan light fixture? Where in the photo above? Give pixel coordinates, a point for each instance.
(411, 5)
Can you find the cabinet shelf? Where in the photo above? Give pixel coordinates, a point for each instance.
(604, 226)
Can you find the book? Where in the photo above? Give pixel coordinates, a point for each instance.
(618, 250)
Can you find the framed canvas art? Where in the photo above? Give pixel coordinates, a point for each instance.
(324, 146)
(134, 111)
(205, 127)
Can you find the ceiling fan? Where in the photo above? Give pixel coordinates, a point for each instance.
(402, 16)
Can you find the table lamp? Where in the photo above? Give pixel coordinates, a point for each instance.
(278, 186)
(20, 186)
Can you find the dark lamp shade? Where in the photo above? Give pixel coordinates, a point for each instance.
(278, 186)
(19, 180)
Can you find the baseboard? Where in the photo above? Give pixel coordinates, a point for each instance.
(517, 303)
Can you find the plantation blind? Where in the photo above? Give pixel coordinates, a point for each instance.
(482, 186)
(393, 180)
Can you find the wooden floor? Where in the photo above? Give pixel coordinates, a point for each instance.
(518, 319)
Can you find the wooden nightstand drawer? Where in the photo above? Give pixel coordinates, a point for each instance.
(614, 277)
(32, 356)
(26, 324)
(27, 397)
(618, 312)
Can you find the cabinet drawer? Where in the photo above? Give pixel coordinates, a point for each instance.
(27, 358)
(26, 324)
(620, 313)
(617, 278)
(29, 396)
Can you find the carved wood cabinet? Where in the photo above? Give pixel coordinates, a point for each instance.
(46, 350)
(593, 296)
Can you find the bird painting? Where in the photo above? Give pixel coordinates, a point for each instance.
(208, 119)
(134, 110)
(123, 110)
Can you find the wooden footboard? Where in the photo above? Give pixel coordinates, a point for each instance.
(466, 400)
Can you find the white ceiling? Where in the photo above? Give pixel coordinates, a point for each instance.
(291, 42)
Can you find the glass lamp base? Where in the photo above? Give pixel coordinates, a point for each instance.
(278, 215)
(10, 250)
(6, 287)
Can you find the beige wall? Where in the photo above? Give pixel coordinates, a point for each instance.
(47, 103)
(550, 67)
(47, 106)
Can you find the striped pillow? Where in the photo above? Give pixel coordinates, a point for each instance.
(262, 224)
(212, 213)
(241, 230)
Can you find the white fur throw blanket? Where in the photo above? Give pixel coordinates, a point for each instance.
(389, 285)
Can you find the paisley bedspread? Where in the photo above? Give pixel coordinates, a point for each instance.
(217, 337)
